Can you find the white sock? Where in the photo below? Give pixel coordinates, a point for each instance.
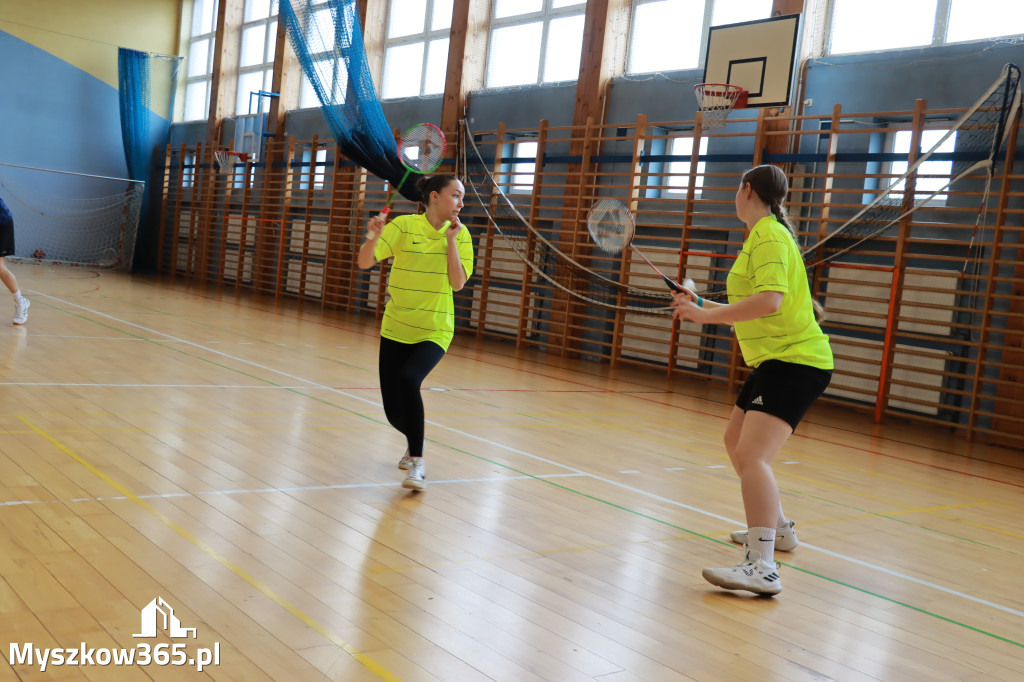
(782, 522)
(17, 295)
(763, 540)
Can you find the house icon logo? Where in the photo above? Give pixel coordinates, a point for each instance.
(158, 614)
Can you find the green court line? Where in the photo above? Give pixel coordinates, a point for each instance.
(241, 335)
(890, 517)
(729, 544)
(579, 493)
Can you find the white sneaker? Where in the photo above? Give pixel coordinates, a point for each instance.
(785, 537)
(417, 472)
(21, 311)
(405, 462)
(751, 574)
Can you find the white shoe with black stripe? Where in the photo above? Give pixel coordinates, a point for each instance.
(751, 574)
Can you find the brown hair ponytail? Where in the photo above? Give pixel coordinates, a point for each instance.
(772, 187)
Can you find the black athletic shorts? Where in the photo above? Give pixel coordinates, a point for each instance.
(783, 389)
(7, 238)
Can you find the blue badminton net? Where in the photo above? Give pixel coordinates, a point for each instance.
(328, 40)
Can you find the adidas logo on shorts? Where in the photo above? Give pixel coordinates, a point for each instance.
(757, 401)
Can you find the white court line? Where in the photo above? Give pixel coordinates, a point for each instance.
(59, 383)
(76, 336)
(530, 455)
(290, 489)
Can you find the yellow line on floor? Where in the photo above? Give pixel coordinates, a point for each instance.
(367, 662)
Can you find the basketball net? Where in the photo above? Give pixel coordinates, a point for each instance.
(226, 161)
(716, 100)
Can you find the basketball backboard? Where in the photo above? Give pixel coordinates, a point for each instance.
(249, 134)
(759, 56)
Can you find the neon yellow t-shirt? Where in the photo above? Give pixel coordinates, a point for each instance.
(770, 261)
(421, 307)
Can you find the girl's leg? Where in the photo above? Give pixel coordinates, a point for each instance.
(403, 367)
(752, 441)
(732, 438)
(422, 359)
(21, 303)
(391, 359)
(7, 277)
(760, 440)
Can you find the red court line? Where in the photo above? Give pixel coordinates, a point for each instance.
(596, 389)
(483, 390)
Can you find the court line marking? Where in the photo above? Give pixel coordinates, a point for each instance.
(94, 385)
(539, 458)
(301, 615)
(290, 489)
(641, 388)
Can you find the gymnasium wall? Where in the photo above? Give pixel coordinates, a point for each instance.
(947, 76)
(59, 81)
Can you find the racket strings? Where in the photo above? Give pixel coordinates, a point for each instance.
(422, 148)
(611, 225)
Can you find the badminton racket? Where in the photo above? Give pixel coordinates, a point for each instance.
(421, 150)
(612, 228)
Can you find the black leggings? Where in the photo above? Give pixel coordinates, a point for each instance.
(403, 367)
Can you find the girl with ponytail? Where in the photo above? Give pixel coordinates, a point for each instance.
(433, 257)
(776, 323)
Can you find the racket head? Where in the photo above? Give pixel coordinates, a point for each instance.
(611, 225)
(422, 148)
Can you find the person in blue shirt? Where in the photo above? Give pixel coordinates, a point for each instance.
(6, 276)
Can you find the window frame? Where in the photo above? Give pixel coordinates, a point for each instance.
(896, 196)
(940, 31)
(659, 170)
(266, 67)
(207, 75)
(512, 175)
(668, 191)
(188, 171)
(318, 163)
(702, 48)
(544, 16)
(427, 36)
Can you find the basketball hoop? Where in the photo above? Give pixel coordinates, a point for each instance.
(226, 161)
(716, 100)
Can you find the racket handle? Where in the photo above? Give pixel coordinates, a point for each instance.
(384, 212)
(677, 288)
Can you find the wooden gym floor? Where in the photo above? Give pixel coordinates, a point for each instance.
(229, 455)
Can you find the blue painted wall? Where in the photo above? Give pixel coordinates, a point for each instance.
(55, 115)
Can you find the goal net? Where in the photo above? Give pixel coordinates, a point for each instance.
(72, 219)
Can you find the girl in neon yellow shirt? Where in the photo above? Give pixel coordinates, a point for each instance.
(776, 323)
(433, 255)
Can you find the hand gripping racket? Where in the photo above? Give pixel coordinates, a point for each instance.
(612, 228)
(421, 150)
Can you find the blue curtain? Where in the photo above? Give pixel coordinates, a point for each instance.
(145, 114)
(146, 86)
